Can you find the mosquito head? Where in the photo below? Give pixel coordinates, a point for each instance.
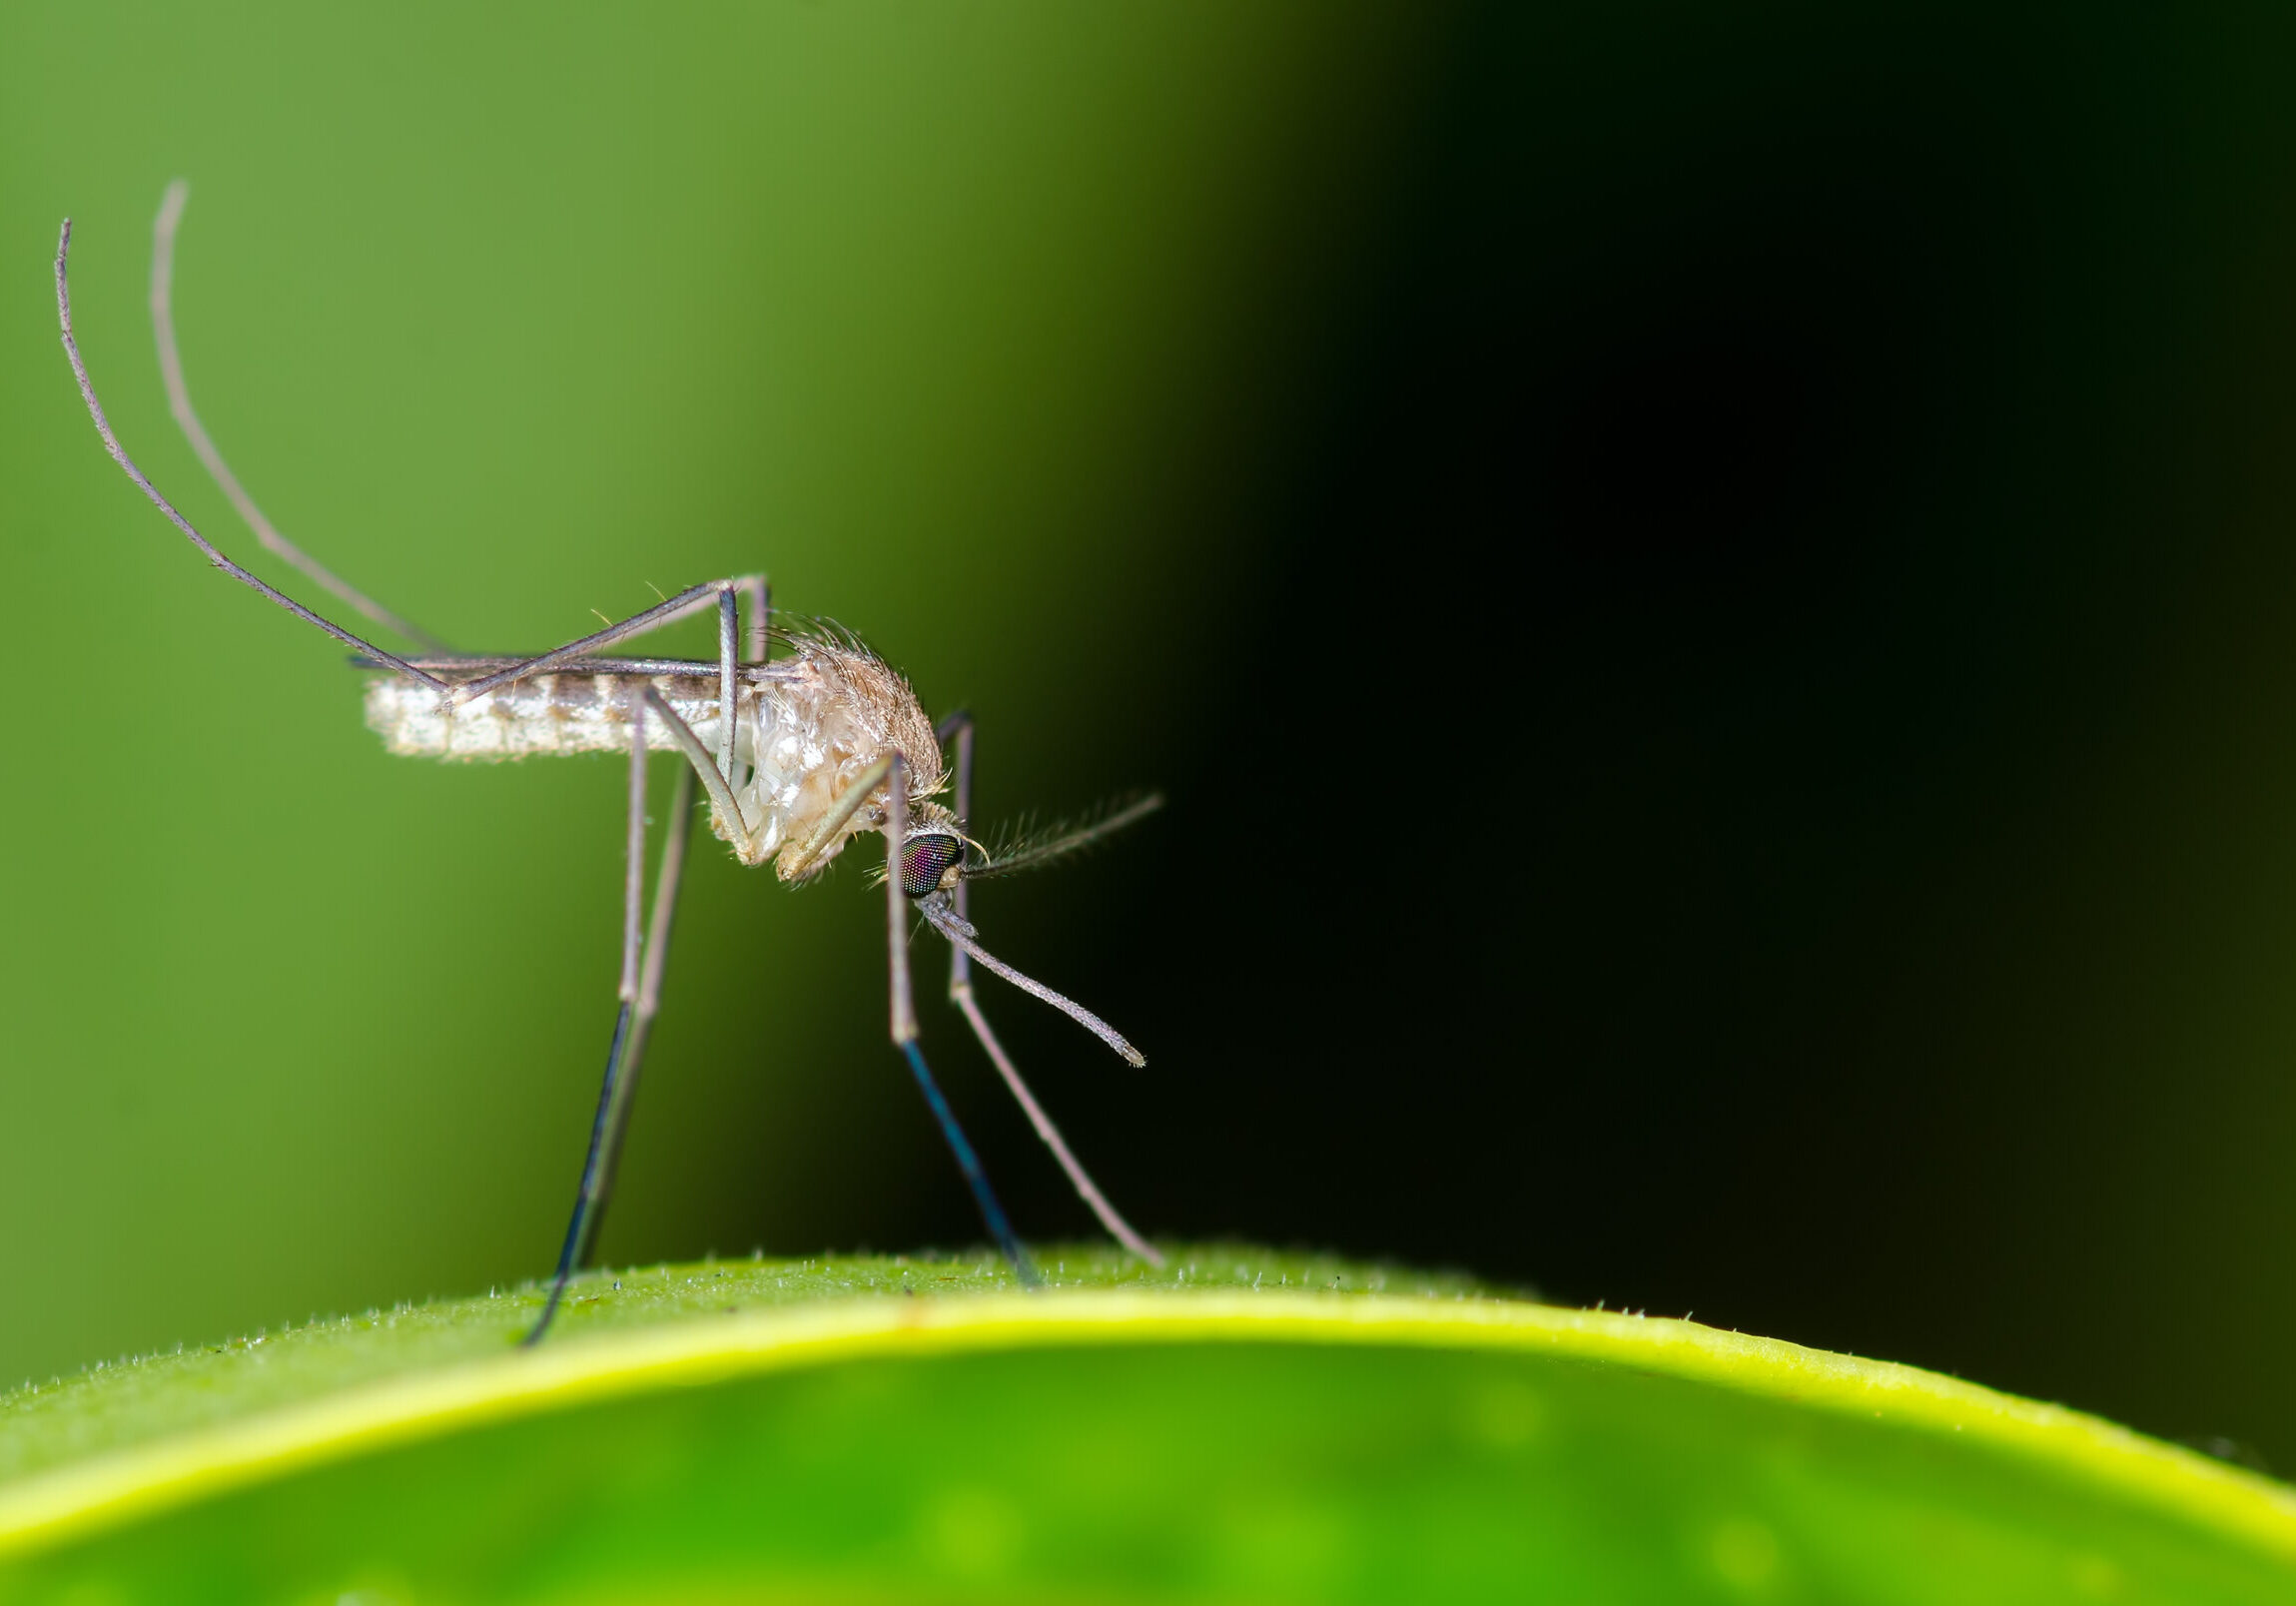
(931, 858)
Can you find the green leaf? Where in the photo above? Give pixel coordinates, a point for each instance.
(1243, 1425)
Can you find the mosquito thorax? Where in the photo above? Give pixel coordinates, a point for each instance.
(930, 861)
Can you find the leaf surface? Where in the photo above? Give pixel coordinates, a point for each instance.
(1240, 1427)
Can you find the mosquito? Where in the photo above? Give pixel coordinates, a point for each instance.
(799, 754)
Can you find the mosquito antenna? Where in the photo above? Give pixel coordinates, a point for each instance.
(207, 547)
(1063, 840)
(948, 926)
(180, 403)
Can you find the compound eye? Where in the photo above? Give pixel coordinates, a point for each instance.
(924, 858)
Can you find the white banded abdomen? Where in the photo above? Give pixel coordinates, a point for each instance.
(547, 716)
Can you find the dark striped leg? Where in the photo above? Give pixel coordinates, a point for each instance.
(896, 919)
(660, 921)
(640, 1000)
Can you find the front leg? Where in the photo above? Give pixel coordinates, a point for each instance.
(897, 922)
(958, 725)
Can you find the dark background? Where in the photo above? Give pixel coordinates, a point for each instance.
(1713, 596)
(1754, 777)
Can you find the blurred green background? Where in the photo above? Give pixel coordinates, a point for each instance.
(1715, 594)
(945, 315)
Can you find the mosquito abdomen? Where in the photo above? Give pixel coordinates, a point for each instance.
(548, 715)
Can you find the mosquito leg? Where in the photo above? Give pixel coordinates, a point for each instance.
(667, 611)
(180, 403)
(206, 549)
(454, 693)
(757, 643)
(757, 637)
(1118, 1228)
(960, 725)
(704, 765)
(658, 927)
(847, 804)
(728, 663)
(897, 915)
(904, 1030)
(613, 1101)
(758, 592)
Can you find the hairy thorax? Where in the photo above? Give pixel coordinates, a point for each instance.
(811, 734)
